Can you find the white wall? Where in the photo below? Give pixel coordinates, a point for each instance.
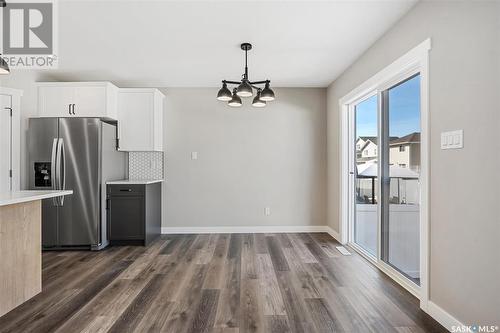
(248, 159)
(464, 86)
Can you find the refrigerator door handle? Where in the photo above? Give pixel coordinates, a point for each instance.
(63, 158)
(53, 169)
(61, 169)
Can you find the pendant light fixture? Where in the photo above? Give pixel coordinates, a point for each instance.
(257, 100)
(235, 100)
(267, 94)
(224, 93)
(245, 87)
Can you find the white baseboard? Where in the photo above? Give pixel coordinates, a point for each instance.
(334, 234)
(245, 229)
(442, 317)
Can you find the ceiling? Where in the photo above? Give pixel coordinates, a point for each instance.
(196, 43)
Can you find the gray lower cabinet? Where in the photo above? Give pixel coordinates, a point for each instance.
(133, 213)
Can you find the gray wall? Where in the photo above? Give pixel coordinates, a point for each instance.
(464, 89)
(248, 159)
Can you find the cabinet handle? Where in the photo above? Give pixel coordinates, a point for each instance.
(69, 108)
(126, 190)
(74, 109)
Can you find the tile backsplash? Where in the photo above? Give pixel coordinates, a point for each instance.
(145, 165)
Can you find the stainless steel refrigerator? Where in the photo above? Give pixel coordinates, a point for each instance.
(78, 154)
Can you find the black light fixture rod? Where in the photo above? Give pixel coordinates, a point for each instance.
(252, 83)
(232, 82)
(246, 64)
(260, 82)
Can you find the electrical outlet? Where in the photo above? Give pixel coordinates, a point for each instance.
(267, 211)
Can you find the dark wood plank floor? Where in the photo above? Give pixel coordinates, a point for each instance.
(218, 283)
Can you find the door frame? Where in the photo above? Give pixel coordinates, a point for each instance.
(415, 60)
(15, 104)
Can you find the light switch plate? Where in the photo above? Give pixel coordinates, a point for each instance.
(194, 155)
(452, 139)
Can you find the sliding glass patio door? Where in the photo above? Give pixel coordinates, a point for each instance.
(385, 176)
(365, 154)
(401, 177)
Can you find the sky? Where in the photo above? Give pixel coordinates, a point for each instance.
(404, 111)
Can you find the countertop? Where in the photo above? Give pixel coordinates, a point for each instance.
(132, 181)
(15, 197)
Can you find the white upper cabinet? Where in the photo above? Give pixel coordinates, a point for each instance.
(77, 99)
(140, 119)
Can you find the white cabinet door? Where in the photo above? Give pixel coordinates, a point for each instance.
(77, 99)
(135, 120)
(140, 116)
(90, 102)
(55, 101)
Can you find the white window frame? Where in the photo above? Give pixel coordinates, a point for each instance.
(414, 61)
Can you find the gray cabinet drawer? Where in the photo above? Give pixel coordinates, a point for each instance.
(126, 189)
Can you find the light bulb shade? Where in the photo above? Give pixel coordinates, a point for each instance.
(257, 102)
(244, 89)
(267, 94)
(235, 100)
(4, 67)
(224, 93)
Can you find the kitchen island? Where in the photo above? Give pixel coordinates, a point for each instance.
(21, 246)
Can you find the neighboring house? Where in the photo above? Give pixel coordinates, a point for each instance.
(366, 149)
(369, 151)
(405, 151)
(360, 142)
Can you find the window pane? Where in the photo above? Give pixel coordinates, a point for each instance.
(401, 231)
(366, 212)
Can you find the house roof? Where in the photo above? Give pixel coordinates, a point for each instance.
(410, 138)
(393, 140)
(373, 139)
